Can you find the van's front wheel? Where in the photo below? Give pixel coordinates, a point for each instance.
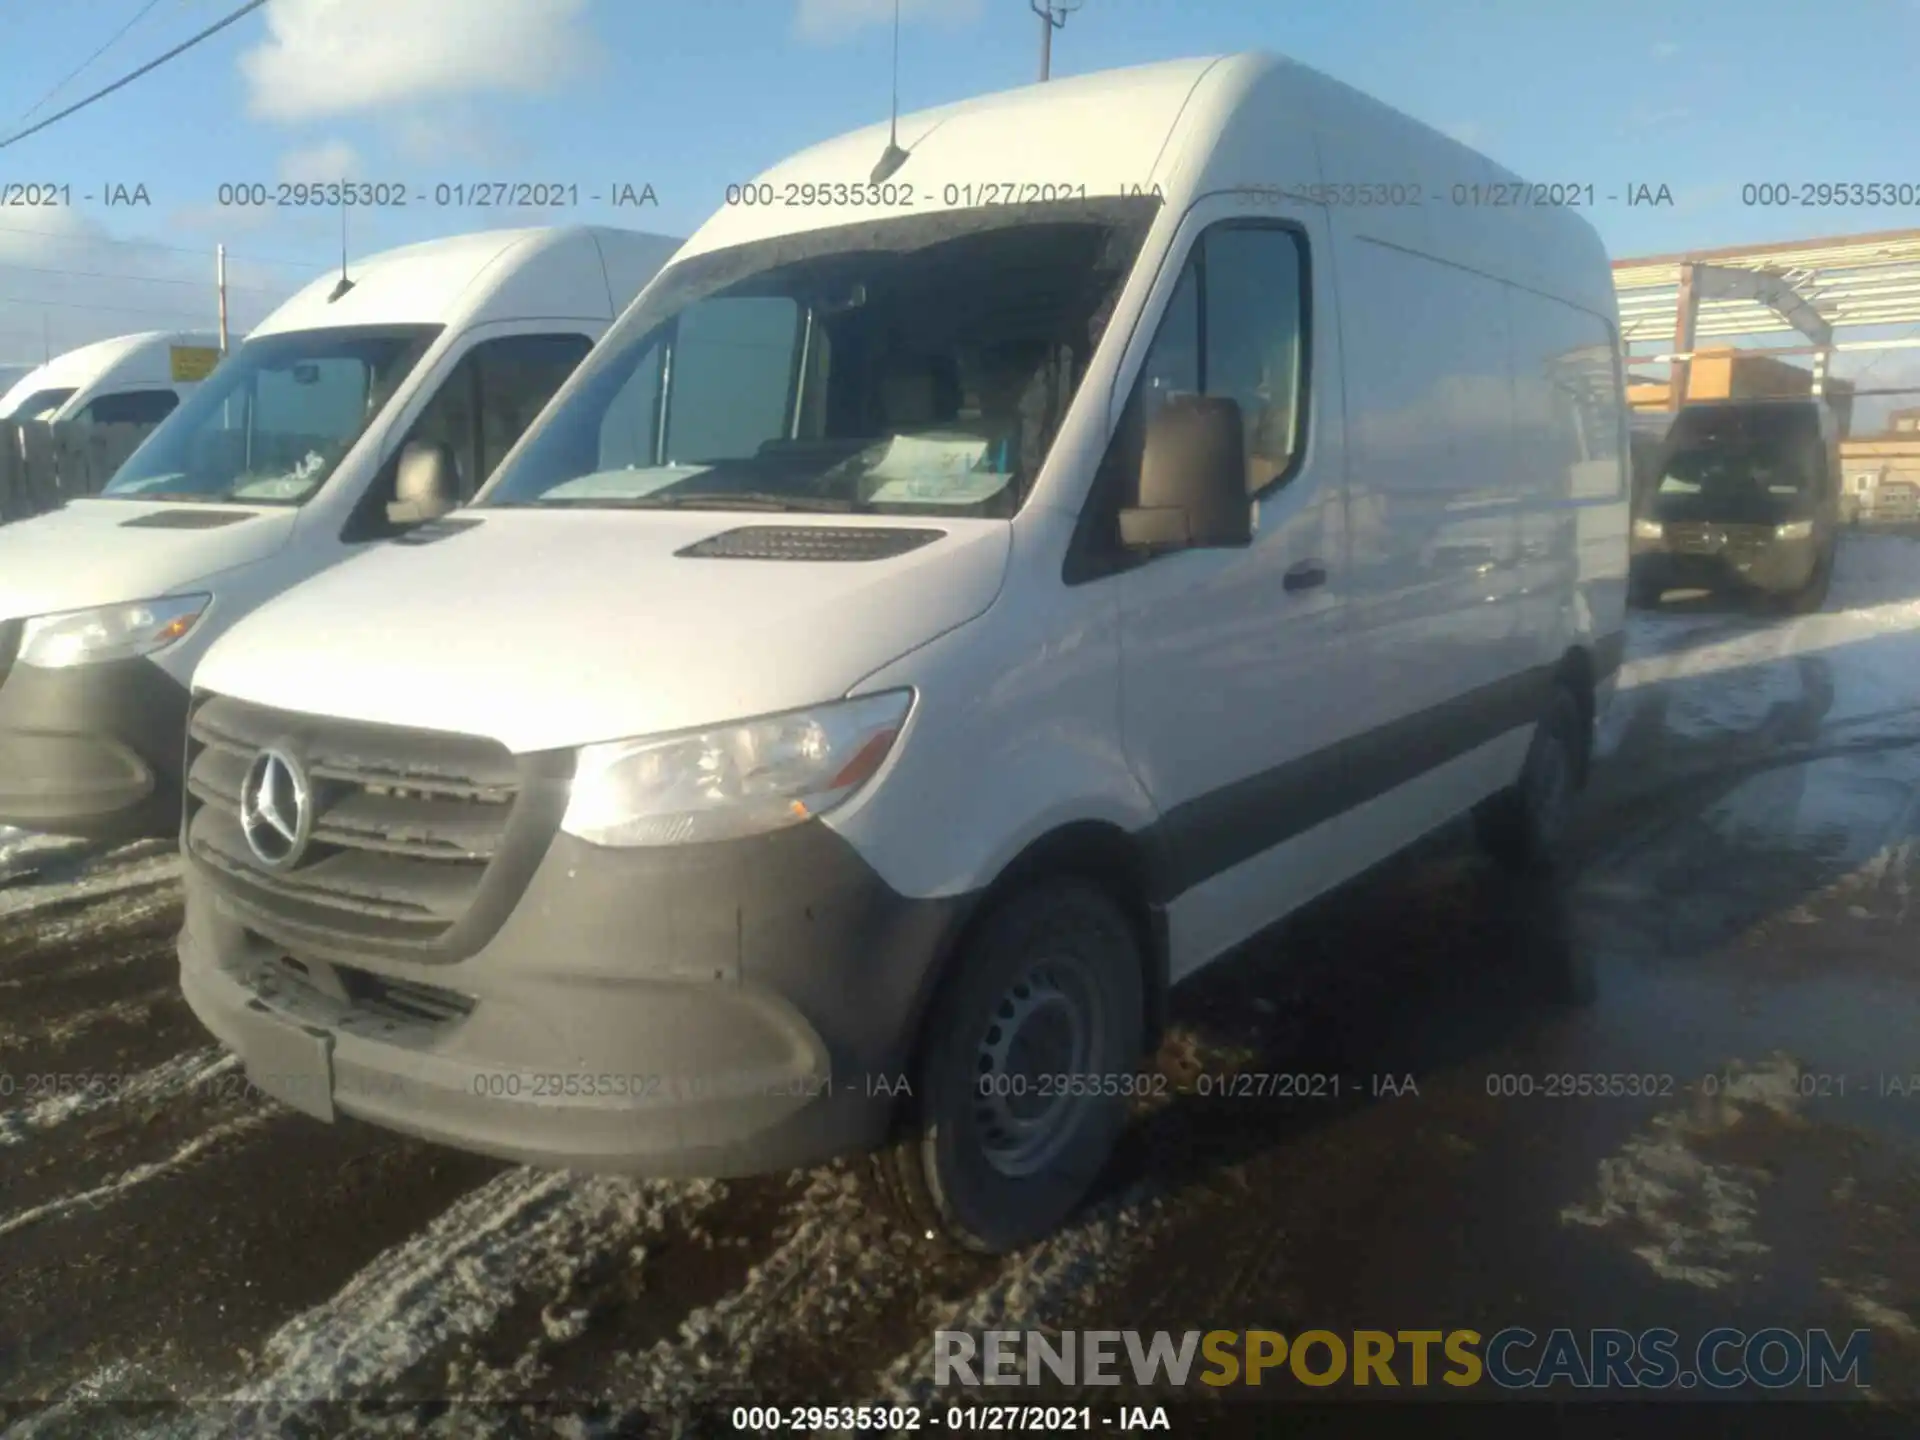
(1021, 1088)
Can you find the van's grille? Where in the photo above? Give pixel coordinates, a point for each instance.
(405, 824)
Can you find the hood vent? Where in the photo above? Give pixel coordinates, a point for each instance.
(809, 542)
(186, 519)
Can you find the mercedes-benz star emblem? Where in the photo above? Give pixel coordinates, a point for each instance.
(276, 808)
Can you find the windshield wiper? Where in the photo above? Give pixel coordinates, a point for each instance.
(709, 500)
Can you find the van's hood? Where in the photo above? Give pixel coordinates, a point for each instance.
(548, 629)
(88, 553)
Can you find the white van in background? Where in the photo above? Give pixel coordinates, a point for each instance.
(129, 380)
(362, 405)
(927, 628)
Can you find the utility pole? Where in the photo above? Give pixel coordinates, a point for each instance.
(220, 279)
(1053, 16)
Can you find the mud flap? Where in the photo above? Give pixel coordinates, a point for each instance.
(292, 1063)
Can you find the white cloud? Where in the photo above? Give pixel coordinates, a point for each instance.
(836, 19)
(333, 57)
(330, 160)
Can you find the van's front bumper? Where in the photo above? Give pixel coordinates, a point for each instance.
(1770, 565)
(92, 750)
(715, 1010)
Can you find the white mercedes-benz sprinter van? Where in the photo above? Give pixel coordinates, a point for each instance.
(359, 407)
(946, 611)
(128, 380)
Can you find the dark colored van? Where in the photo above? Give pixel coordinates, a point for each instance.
(1744, 500)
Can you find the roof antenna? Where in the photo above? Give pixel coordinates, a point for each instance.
(893, 157)
(345, 284)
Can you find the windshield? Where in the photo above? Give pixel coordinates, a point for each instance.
(41, 405)
(1757, 463)
(917, 365)
(1734, 485)
(271, 422)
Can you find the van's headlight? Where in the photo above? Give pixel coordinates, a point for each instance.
(730, 780)
(1794, 530)
(108, 632)
(1648, 530)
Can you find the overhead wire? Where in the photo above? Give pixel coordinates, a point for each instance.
(131, 76)
(140, 15)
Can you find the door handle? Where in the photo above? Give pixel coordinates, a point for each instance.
(1305, 575)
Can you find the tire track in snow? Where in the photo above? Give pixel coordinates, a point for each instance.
(172, 1077)
(149, 862)
(121, 1185)
(1032, 1291)
(834, 1266)
(452, 1279)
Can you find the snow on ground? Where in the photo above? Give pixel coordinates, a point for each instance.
(1718, 673)
(1688, 1218)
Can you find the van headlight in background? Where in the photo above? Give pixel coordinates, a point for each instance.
(725, 781)
(1794, 530)
(108, 632)
(1648, 530)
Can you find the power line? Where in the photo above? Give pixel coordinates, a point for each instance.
(132, 279)
(128, 79)
(110, 309)
(69, 238)
(91, 58)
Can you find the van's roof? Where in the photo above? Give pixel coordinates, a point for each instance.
(584, 272)
(79, 365)
(1190, 128)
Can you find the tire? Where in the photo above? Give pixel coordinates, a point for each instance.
(1814, 594)
(1050, 982)
(1643, 594)
(1524, 828)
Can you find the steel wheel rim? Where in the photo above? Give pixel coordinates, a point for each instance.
(1046, 1029)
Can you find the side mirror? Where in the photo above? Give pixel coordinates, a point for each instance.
(1193, 479)
(426, 484)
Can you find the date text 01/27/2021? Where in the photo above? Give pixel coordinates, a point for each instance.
(899, 1419)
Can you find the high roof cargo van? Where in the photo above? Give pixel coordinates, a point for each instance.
(947, 610)
(129, 380)
(1743, 496)
(369, 401)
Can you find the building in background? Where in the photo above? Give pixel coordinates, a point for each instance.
(1732, 374)
(1883, 470)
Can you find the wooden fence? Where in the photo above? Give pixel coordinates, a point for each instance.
(43, 466)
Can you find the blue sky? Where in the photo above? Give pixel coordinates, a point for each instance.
(689, 96)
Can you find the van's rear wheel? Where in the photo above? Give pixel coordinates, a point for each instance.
(1525, 827)
(1020, 1093)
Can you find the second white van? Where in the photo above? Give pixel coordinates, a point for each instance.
(369, 401)
(128, 380)
(963, 597)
